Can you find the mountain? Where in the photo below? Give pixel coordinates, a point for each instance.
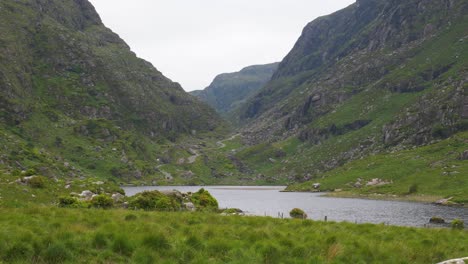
(377, 77)
(76, 101)
(229, 90)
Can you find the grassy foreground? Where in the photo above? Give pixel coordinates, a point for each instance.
(57, 235)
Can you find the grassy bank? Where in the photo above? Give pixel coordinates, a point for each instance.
(54, 235)
(425, 173)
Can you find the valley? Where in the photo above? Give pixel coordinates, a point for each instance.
(371, 104)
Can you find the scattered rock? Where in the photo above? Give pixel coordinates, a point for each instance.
(87, 195)
(316, 186)
(190, 206)
(377, 182)
(98, 183)
(25, 180)
(117, 197)
(68, 186)
(436, 220)
(464, 155)
(173, 193)
(188, 174)
(444, 201)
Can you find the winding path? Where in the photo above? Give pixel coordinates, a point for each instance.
(221, 143)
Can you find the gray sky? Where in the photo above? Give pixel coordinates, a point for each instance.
(192, 41)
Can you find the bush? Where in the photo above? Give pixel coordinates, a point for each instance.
(154, 200)
(37, 182)
(203, 200)
(29, 172)
(102, 201)
(458, 224)
(69, 202)
(298, 213)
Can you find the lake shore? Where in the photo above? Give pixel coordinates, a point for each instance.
(427, 199)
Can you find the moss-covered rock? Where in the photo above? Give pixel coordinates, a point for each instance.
(204, 200)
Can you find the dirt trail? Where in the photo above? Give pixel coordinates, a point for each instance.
(222, 145)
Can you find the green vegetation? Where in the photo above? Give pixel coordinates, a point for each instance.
(298, 213)
(230, 90)
(203, 200)
(458, 224)
(434, 171)
(54, 235)
(155, 200)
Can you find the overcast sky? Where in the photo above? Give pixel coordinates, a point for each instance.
(192, 41)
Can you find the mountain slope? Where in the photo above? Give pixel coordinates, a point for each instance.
(228, 90)
(376, 77)
(73, 93)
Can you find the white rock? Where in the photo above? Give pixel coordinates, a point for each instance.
(117, 197)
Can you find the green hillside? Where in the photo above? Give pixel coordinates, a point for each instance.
(75, 101)
(376, 78)
(229, 90)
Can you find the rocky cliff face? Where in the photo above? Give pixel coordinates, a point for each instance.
(69, 82)
(377, 74)
(229, 90)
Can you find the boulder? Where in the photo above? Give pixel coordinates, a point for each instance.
(443, 201)
(377, 182)
(173, 193)
(117, 197)
(464, 155)
(87, 195)
(455, 261)
(190, 207)
(25, 180)
(436, 220)
(316, 186)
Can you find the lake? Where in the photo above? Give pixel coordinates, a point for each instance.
(269, 201)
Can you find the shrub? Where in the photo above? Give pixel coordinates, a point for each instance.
(102, 201)
(298, 213)
(37, 182)
(69, 202)
(154, 200)
(204, 200)
(458, 224)
(29, 172)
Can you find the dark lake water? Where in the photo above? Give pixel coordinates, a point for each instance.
(269, 201)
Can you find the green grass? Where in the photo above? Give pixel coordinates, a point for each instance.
(53, 235)
(435, 170)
